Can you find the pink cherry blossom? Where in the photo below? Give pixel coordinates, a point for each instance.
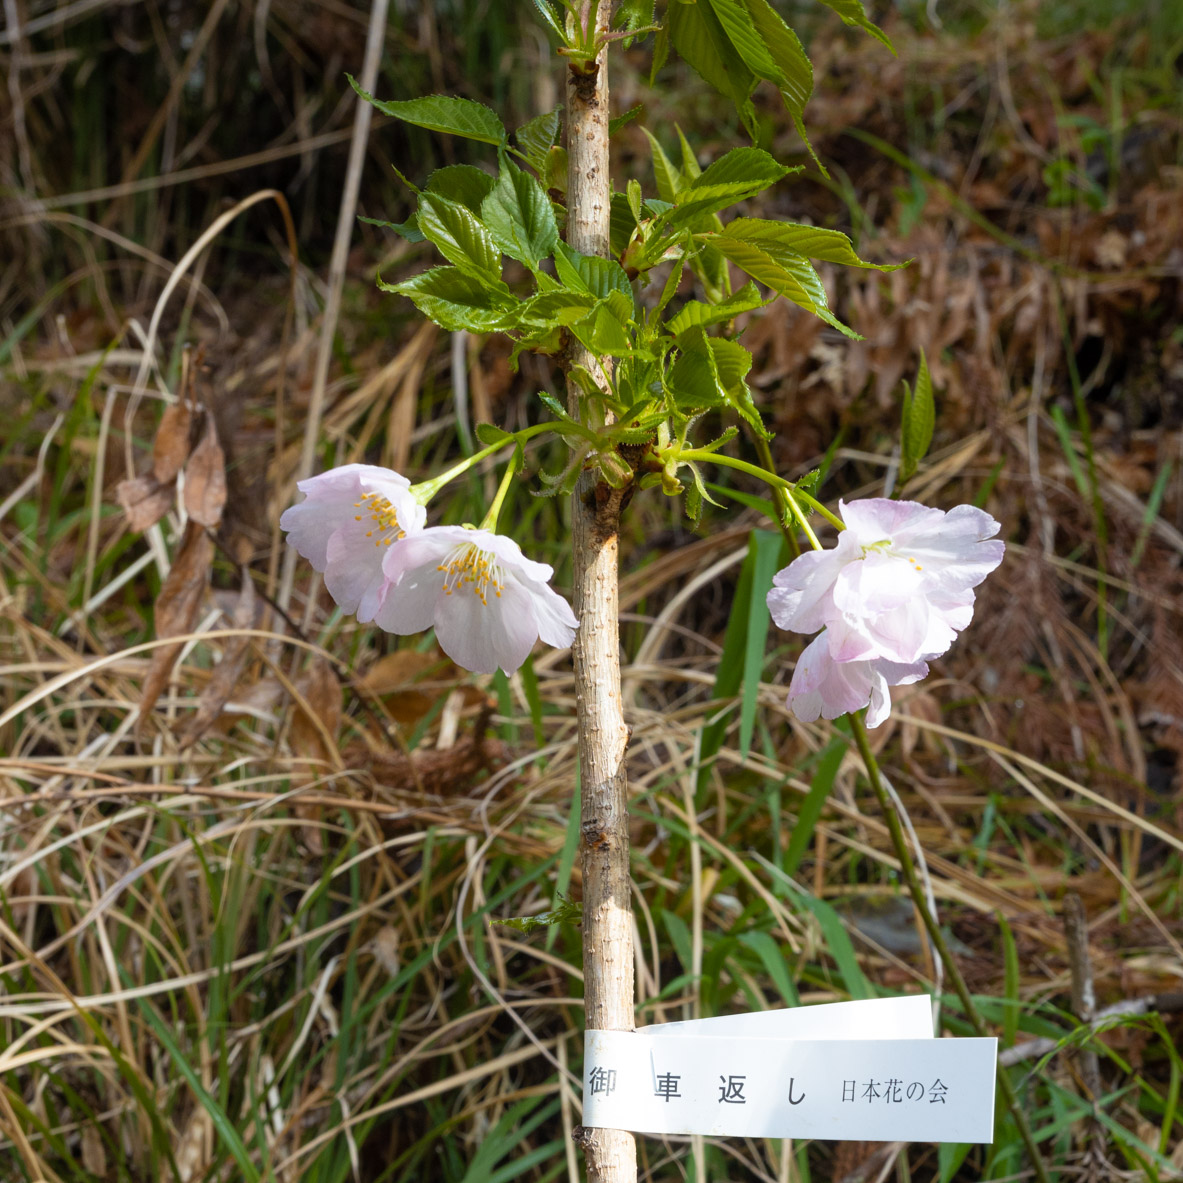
(825, 688)
(343, 527)
(893, 593)
(487, 601)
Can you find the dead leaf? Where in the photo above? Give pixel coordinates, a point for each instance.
(395, 678)
(170, 448)
(205, 478)
(224, 680)
(322, 692)
(144, 500)
(177, 608)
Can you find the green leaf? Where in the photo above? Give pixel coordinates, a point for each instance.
(456, 299)
(589, 273)
(536, 138)
(814, 242)
(551, 17)
(670, 289)
(690, 165)
(794, 74)
(708, 371)
(767, 545)
(408, 229)
(440, 112)
(489, 434)
(664, 174)
(562, 307)
(635, 16)
(696, 313)
(741, 173)
(919, 418)
(837, 939)
(789, 274)
(700, 39)
(763, 945)
(464, 183)
(604, 330)
(614, 125)
(519, 216)
(458, 236)
(852, 12)
(567, 912)
(555, 176)
(811, 808)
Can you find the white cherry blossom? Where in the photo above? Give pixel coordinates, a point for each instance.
(487, 602)
(892, 594)
(349, 517)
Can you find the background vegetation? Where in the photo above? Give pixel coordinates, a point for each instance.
(248, 901)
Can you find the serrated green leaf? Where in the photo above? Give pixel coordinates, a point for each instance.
(457, 299)
(555, 407)
(555, 178)
(708, 371)
(740, 174)
(736, 22)
(562, 307)
(919, 419)
(621, 224)
(408, 229)
(623, 120)
(696, 313)
(787, 273)
(690, 166)
(852, 12)
(536, 138)
(635, 199)
(604, 330)
(551, 17)
(568, 912)
(519, 216)
(814, 242)
(591, 274)
(664, 174)
(634, 16)
(459, 236)
(670, 288)
(463, 183)
(793, 71)
(697, 35)
(440, 112)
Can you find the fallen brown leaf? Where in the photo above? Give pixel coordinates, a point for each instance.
(177, 608)
(144, 500)
(170, 448)
(205, 478)
(320, 689)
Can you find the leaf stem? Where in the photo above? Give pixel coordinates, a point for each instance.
(426, 490)
(791, 492)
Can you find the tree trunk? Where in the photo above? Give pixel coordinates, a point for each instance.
(603, 736)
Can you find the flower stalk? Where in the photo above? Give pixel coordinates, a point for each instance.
(916, 891)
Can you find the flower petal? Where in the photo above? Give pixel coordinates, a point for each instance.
(556, 621)
(822, 687)
(801, 597)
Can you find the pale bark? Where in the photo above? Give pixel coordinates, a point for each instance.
(603, 736)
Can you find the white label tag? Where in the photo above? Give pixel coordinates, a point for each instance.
(721, 1077)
